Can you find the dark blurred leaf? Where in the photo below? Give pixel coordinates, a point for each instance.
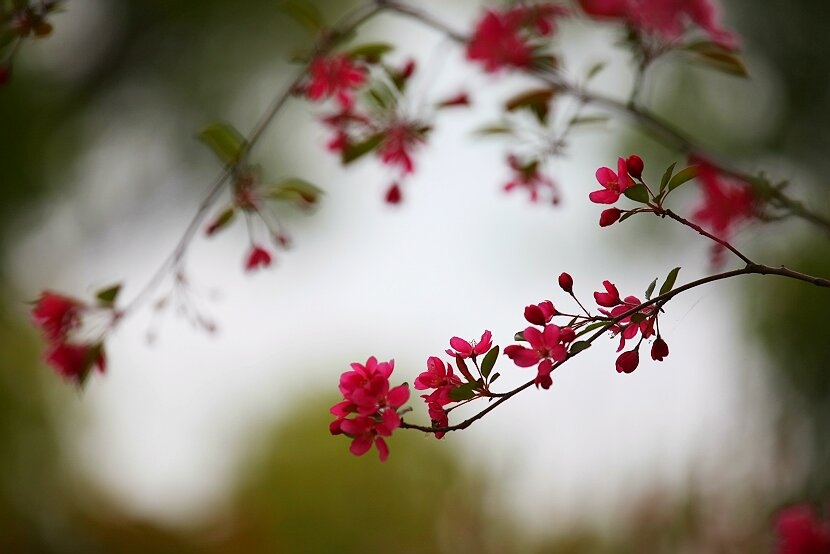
(108, 295)
(536, 100)
(225, 141)
(353, 152)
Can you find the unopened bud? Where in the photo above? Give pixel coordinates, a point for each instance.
(567, 283)
(634, 164)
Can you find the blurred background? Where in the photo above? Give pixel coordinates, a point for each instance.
(197, 442)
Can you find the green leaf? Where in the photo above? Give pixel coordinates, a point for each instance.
(296, 190)
(650, 289)
(520, 336)
(464, 392)
(494, 130)
(304, 13)
(222, 220)
(594, 70)
(683, 176)
(107, 296)
(371, 52)
(666, 176)
(353, 152)
(638, 193)
(579, 346)
(495, 376)
(588, 328)
(588, 120)
(670, 279)
(225, 141)
(489, 361)
(718, 57)
(625, 216)
(536, 100)
(639, 317)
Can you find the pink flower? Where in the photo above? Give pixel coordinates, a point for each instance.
(398, 142)
(628, 361)
(336, 76)
(659, 350)
(541, 313)
(667, 19)
(257, 257)
(800, 531)
(496, 43)
(609, 298)
(437, 375)
(546, 347)
(369, 410)
(466, 349)
(527, 176)
(74, 361)
(614, 183)
(56, 315)
(726, 204)
(605, 8)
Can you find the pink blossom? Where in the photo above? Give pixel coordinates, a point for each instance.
(399, 140)
(56, 315)
(609, 298)
(541, 313)
(726, 204)
(437, 375)
(527, 176)
(800, 531)
(336, 76)
(257, 257)
(614, 183)
(74, 361)
(659, 350)
(497, 43)
(546, 347)
(471, 349)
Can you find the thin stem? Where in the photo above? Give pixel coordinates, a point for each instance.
(699, 229)
(347, 24)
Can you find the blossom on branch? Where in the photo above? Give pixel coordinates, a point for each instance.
(369, 410)
(335, 76)
(614, 184)
(800, 531)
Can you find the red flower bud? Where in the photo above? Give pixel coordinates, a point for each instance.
(609, 217)
(628, 361)
(567, 283)
(393, 195)
(634, 164)
(566, 334)
(659, 350)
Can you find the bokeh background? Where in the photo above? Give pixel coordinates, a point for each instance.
(197, 442)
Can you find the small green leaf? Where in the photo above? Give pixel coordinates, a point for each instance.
(221, 221)
(718, 57)
(588, 120)
(225, 141)
(353, 152)
(625, 216)
(520, 336)
(489, 361)
(638, 318)
(107, 296)
(304, 13)
(650, 289)
(666, 176)
(594, 70)
(495, 376)
(536, 100)
(296, 190)
(579, 346)
(638, 193)
(683, 176)
(494, 130)
(371, 52)
(670, 279)
(464, 392)
(588, 328)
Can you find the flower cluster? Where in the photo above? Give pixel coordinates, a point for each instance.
(369, 410)
(513, 37)
(614, 185)
(547, 346)
(448, 387)
(59, 318)
(529, 177)
(369, 117)
(664, 20)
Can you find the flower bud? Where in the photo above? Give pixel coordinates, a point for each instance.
(659, 350)
(567, 283)
(393, 195)
(566, 334)
(609, 217)
(628, 361)
(634, 164)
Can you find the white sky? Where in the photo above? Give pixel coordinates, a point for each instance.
(165, 428)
